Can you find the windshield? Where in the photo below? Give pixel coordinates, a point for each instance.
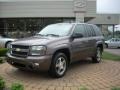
(0, 36)
(56, 30)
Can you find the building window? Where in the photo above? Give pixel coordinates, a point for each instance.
(25, 27)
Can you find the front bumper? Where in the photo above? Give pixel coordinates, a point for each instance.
(31, 62)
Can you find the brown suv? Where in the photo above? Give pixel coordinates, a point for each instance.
(56, 46)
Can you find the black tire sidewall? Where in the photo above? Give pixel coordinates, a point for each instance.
(6, 45)
(52, 70)
(106, 45)
(95, 59)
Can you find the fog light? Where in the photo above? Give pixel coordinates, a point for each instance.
(12, 62)
(36, 64)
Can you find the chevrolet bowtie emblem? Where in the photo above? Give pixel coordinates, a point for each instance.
(17, 49)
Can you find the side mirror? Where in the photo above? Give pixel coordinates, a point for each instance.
(77, 35)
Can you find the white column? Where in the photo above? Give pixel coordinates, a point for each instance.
(79, 17)
(119, 19)
(79, 10)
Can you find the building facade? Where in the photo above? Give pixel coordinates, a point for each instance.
(22, 18)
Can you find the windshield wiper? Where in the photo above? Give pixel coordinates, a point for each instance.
(52, 35)
(39, 34)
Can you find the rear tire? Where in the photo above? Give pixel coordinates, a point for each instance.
(106, 45)
(98, 56)
(59, 65)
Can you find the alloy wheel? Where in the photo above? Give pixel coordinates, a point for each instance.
(60, 65)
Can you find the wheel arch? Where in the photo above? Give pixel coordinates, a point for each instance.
(7, 43)
(101, 46)
(66, 51)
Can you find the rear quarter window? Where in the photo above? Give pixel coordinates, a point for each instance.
(90, 31)
(97, 30)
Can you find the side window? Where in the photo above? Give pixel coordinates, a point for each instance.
(116, 40)
(92, 31)
(97, 30)
(88, 30)
(79, 29)
(112, 40)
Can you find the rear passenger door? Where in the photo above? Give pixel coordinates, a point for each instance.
(79, 45)
(91, 37)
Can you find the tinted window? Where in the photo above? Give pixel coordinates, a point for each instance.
(118, 39)
(79, 29)
(89, 31)
(112, 40)
(92, 31)
(97, 30)
(115, 39)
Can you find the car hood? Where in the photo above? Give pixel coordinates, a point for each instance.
(35, 40)
(107, 41)
(7, 39)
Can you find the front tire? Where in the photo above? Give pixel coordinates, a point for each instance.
(7, 45)
(59, 65)
(98, 56)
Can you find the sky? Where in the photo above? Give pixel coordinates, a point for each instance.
(108, 6)
(117, 28)
(31, 0)
(37, 0)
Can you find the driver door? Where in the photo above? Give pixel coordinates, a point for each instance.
(78, 45)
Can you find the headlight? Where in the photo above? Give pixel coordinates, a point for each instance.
(38, 50)
(9, 46)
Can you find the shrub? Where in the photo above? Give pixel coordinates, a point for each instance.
(3, 51)
(115, 88)
(17, 86)
(2, 60)
(2, 83)
(83, 88)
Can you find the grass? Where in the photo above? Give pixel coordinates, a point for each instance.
(17, 86)
(3, 51)
(115, 88)
(83, 88)
(2, 83)
(109, 56)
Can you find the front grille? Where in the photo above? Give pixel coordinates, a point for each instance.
(20, 46)
(20, 51)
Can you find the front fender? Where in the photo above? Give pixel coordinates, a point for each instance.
(52, 50)
(2, 43)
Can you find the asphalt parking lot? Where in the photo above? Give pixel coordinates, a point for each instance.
(100, 76)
